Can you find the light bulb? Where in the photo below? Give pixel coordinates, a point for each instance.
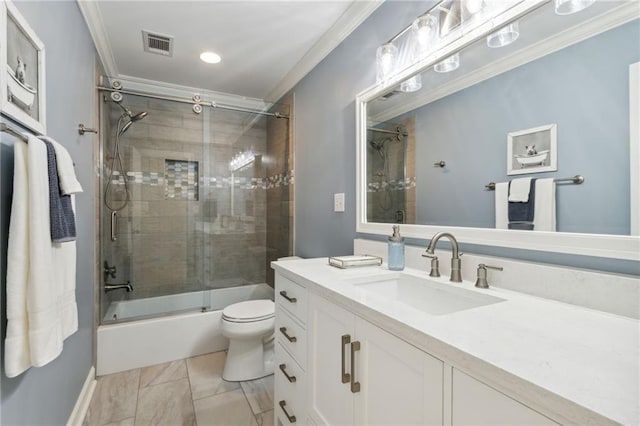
(567, 7)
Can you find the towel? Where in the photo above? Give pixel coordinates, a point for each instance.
(63, 221)
(66, 174)
(519, 190)
(544, 218)
(521, 214)
(502, 194)
(41, 305)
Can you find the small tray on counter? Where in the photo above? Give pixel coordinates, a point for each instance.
(344, 262)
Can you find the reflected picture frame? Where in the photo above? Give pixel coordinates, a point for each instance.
(22, 70)
(533, 150)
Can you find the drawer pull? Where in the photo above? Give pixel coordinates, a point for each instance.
(346, 339)
(355, 386)
(292, 419)
(292, 339)
(290, 299)
(291, 379)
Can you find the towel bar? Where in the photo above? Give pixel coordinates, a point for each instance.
(577, 179)
(8, 129)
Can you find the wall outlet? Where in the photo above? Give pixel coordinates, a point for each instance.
(338, 202)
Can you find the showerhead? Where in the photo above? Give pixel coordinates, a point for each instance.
(139, 116)
(132, 118)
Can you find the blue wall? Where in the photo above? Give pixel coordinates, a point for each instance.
(326, 146)
(46, 395)
(325, 136)
(468, 129)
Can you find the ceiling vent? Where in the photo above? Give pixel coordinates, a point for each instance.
(159, 44)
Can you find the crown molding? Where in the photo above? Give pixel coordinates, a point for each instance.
(345, 25)
(596, 25)
(91, 12)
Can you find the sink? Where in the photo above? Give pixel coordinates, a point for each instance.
(423, 294)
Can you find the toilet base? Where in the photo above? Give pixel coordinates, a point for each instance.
(248, 360)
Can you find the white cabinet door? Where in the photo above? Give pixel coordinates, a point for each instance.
(475, 403)
(330, 401)
(399, 384)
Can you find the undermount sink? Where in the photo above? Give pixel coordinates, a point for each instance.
(423, 294)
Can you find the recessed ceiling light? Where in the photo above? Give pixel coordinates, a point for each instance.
(210, 57)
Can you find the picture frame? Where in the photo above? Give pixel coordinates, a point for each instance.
(532, 150)
(22, 70)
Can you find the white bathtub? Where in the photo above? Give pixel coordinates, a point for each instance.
(143, 342)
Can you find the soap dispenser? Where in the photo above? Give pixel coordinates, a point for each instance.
(396, 250)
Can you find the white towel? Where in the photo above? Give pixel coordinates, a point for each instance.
(41, 305)
(502, 205)
(519, 190)
(544, 216)
(66, 173)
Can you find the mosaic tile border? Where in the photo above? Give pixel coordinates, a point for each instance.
(394, 185)
(222, 182)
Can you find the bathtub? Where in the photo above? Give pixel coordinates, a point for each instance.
(146, 339)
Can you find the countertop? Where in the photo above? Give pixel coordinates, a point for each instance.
(576, 365)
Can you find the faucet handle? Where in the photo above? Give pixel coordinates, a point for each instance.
(429, 255)
(481, 281)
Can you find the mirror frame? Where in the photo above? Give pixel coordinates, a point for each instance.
(599, 245)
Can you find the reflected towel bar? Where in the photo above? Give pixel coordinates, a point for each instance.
(577, 179)
(8, 129)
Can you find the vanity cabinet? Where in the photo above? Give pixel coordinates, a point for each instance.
(333, 367)
(361, 374)
(290, 352)
(474, 403)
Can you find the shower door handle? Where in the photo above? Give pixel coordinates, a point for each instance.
(292, 339)
(114, 224)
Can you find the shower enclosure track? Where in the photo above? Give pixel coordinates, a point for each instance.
(191, 102)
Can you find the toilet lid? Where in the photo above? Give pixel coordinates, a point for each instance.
(251, 310)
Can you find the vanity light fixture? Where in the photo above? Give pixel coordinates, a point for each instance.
(412, 84)
(504, 36)
(567, 7)
(385, 61)
(210, 57)
(425, 32)
(449, 64)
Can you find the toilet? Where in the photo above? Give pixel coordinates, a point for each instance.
(249, 327)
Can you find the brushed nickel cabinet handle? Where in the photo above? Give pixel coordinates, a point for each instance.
(290, 299)
(292, 419)
(346, 377)
(292, 339)
(291, 379)
(355, 386)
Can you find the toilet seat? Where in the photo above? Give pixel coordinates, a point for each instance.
(249, 311)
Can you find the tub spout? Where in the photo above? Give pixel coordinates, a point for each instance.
(110, 287)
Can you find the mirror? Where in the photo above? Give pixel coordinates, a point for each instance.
(553, 104)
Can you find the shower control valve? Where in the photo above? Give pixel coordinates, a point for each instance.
(109, 271)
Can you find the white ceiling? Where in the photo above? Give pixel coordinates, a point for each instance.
(266, 46)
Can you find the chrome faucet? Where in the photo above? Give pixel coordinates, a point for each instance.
(110, 287)
(456, 275)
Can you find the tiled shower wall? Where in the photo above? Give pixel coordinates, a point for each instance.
(392, 188)
(191, 223)
(280, 169)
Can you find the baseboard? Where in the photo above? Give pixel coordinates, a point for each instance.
(82, 404)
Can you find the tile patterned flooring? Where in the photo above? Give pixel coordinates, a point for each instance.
(185, 392)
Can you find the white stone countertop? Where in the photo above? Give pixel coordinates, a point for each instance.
(576, 365)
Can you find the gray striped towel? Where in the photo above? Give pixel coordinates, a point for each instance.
(63, 221)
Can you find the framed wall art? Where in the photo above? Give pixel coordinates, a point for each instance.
(532, 150)
(22, 70)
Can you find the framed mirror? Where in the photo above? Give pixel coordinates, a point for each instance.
(429, 157)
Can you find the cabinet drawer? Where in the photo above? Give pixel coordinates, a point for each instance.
(290, 383)
(292, 337)
(292, 297)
